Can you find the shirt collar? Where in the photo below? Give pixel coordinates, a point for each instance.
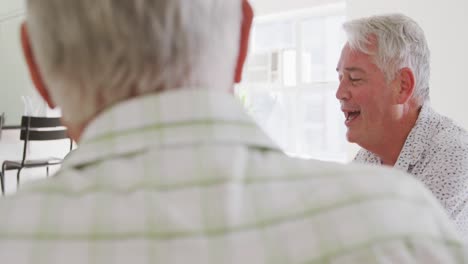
(418, 139)
(178, 117)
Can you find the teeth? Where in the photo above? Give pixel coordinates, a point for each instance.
(352, 115)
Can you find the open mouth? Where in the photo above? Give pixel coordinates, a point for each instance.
(351, 115)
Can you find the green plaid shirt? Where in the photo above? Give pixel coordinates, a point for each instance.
(187, 177)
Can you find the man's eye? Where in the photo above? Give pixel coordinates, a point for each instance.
(355, 79)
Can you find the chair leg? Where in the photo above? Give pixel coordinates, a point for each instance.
(3, 178)
(2, 182)
(18, 178)
(47, 171)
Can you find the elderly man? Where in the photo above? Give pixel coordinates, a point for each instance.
(384, 94)
(170, 169)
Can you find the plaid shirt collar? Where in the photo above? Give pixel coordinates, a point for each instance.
(180, 117)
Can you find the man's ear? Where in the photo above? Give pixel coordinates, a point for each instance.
(247, 17)
(36, 76)
(406, 84)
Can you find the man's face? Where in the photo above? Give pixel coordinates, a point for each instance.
(367, 100)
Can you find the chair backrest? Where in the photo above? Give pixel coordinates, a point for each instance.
(42, 128)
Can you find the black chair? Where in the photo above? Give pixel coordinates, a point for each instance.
(35, 129)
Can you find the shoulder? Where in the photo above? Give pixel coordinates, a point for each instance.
(450, 145)
(449, 135)
(445, 141)
(445, 160)
(353, 177)
(375, 193)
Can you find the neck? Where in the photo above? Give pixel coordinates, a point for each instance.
(75, 131)
(390, 145)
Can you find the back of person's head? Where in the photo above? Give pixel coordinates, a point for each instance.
(399, 42)
(94, 53)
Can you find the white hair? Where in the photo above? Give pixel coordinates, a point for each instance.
(94, 53)
(400, 43)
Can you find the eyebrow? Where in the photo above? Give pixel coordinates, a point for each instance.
(353, 69)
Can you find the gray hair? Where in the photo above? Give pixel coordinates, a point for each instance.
(94, 53)
(400, 43)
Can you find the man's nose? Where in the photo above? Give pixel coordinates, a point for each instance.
(342, 93)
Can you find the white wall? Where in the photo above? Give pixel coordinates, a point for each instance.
(444, 23)
(14, 77)
(10, 6)
(14, 82)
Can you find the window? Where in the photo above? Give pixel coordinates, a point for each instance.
(290, 82)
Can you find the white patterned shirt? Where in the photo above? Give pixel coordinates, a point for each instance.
(187, 177)
(436, 153)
